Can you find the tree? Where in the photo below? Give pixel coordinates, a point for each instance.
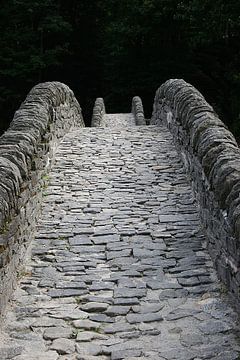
(34, 37)
(117, 49)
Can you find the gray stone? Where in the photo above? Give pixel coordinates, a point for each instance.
(63, 346)
(122, 292)
(191, 281)
(89, 336)
(9, 352)
(178, 354)
(147, 308)
(117, 310)
(118, 327)
(47, 322)
(104, 239)
(45, 283)
(144, 317)
(214, 327)
(83, 230)
(176, 293)
(126, 301)
(227, 355)
(57, 332)
(101, 318)
(85, 350)
(58, 293)
(95, 306)
(71, 285)
(86, 324)
(175, 330)
(181, 313)
(38, 355)
(80, 240)
(193, 339)
(156, 285)
(69, 314)
(125, 282)
(97, 298)
(90, 357)
(125, 354)
(118, 254)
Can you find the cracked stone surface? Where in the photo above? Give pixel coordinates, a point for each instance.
(119, 267)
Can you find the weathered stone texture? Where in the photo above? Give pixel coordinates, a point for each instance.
(212, 158)
(101, 119)
(26, 151)
(119, 267)
(137, 111)
(98, 112)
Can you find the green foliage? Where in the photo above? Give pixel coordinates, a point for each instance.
(34, 36)
(118, 49)
(153, 40)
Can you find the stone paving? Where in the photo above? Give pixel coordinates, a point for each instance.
(118, 120)
(119, 268)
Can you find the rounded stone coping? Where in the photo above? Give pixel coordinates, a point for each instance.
(48, 112)
(98, 112)
(137, 110)
(209, 140)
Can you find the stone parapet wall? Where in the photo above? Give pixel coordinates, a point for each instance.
(212, 159)
(98, 113)
(137, 111)
(26, 151)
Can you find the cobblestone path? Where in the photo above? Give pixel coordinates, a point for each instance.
(119, 268)
(118, 120)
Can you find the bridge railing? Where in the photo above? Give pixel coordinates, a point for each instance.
(26, 152)
(137, 111)
(212, 158)
(98, 112)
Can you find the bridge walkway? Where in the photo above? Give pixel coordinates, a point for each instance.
(118, 120)
(119, 267)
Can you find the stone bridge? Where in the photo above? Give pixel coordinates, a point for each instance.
(119, 241)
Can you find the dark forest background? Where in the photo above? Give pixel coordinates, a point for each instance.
(120, 48)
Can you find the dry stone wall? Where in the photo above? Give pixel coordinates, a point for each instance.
(98, 113)
(101, 119)
(137, 111)
(26, 152)
(212, 159)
